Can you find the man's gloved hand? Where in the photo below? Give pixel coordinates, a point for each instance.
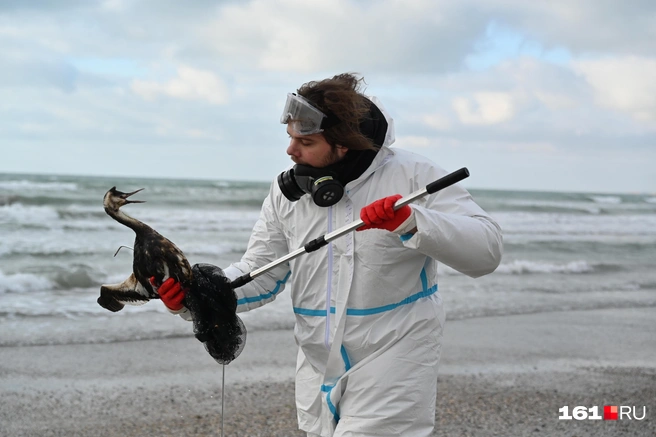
(381, 215)
(171, 293)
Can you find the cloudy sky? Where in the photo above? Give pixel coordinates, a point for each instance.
(557, 95)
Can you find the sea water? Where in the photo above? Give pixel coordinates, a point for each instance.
(563, 252)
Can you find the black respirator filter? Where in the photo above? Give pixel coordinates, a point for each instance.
(322, 185)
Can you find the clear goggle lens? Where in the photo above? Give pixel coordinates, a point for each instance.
(301, 115)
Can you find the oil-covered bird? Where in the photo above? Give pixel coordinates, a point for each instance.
(154, 256)
(210, 298)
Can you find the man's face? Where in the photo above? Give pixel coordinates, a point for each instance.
(312, 150)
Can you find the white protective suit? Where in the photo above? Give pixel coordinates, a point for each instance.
(368, 313)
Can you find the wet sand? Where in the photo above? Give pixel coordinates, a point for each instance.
(505, 376)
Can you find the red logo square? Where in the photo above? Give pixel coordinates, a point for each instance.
(610, 412)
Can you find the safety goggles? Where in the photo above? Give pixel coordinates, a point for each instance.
(302, 116)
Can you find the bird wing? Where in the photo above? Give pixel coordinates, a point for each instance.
(115, 296)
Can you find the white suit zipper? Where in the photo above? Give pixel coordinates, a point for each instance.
(329, 285)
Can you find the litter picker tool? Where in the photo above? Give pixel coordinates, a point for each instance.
(318, 243)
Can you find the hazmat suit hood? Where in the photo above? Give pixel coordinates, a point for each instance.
(378, 126)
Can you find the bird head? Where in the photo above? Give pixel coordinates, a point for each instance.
(115, 199)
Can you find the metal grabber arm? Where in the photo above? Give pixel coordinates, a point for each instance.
(318, 243)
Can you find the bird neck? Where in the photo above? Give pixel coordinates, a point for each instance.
(125, 219)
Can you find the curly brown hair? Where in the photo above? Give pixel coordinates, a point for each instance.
(341, 96)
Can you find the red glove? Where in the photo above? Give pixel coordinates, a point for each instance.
(171, 293)
(381, 215)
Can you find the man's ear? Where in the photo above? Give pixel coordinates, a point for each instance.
(341, 150)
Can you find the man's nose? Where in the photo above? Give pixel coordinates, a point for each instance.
(292, 149)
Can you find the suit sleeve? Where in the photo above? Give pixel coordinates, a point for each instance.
(267, 243)
(454, 230)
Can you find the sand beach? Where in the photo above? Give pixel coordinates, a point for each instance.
(499, 376)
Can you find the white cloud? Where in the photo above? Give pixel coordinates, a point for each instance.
(623, 83)
(438, 121)
(414, 142)
(521, 98)
(537, 147)
(555, 100)
(113, 5)
(389, 35)
(584, 26)
(191, 84)
(484, 108)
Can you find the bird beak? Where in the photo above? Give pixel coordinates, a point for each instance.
(126, 195)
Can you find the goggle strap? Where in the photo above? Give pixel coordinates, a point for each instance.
(329, 120)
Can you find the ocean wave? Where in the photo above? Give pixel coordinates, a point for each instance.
(24, 283)
(77, 277)
(523, 267)
(23, 185)
(72, 277)
(615, 200)
(50, 217)
(551, 207)
(463, 314)
(8, 199)
(565, 225)
(63, 245)
(519, 267)
(68, 224)
(167, 198)
(213, 250)
(21, 214)
(581, 244)
(51, 253)
(592, 205)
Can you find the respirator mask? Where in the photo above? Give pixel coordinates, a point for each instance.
(320, 184)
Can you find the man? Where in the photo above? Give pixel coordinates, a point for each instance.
(369, 317)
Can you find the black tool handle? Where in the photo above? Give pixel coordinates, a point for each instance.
(450, 179)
